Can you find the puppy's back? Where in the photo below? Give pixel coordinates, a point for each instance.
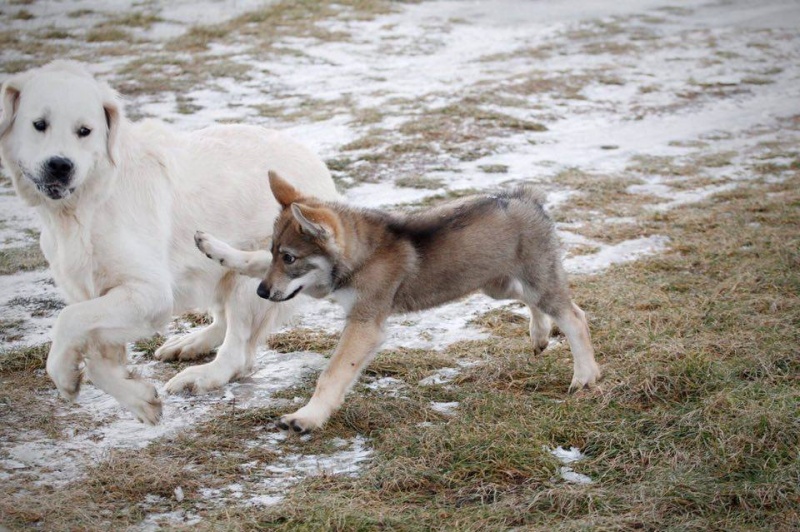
(464, 244)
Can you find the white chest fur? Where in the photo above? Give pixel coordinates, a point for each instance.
(68, 248)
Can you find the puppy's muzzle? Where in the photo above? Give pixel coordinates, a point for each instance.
(263, 291)
(276, 296)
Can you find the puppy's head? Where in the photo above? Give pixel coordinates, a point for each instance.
(305, 246)
(58, 124)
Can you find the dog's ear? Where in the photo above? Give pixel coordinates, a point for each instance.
(283, 191)
(11, 91)
(318, 222)
(113, 109)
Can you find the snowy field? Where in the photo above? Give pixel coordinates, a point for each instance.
(619, 110)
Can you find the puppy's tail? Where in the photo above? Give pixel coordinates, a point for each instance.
(530, 194)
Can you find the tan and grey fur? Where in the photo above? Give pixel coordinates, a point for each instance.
(377, 263)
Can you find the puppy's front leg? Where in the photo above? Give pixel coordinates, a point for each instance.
(356, 348)
(250, 263)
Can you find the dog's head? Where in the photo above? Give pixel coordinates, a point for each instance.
(306, 246)
(58, 124)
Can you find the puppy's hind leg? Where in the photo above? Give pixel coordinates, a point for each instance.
(250, 263)
(105, 367)
(540, 328)
(572, 322)
(540, 325)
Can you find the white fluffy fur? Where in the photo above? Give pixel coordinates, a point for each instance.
(120, 245)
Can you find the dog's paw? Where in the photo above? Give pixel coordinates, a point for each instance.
(67, 376)
(145, 403)
(197, 379)
(186, 347)
(585, 377)
(304, 420)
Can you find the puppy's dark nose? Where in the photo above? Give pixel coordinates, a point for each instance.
(59, 169)
(263, 291)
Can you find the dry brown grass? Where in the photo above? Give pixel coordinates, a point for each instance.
(19, 259)
(695, 423)
(303, 340)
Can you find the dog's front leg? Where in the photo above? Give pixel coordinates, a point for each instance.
(250, 263)
(356, 348)
(123, 314)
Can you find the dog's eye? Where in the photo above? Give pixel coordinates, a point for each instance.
(288, 258)
(40, 125)
(84, 131)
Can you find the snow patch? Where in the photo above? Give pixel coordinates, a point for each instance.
(448, 409)
(569, 456)
(626, 251)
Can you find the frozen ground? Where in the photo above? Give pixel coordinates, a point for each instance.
(670, 102)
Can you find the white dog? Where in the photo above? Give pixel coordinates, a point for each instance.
(120, 203)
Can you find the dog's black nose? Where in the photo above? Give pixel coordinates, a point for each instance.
(263, 291)
(60, 169)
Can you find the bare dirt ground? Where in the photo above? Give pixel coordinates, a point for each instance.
(666, 135)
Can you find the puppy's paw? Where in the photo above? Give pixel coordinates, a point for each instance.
(213, 248)
(197, 379)
(585, 377)
(304, 420)
(540, 345)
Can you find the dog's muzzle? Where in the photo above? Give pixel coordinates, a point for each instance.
(56, 175)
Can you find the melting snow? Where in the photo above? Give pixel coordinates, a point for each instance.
(568, 456)
(448, 409)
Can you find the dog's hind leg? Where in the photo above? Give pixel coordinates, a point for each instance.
(105, 367)
(249, 320)
(540, 325)
(197, 343)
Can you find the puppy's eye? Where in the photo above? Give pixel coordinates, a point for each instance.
(84, 131)
(40, 125)
(288, 258)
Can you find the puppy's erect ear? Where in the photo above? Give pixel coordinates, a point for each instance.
(112, 107)
(11, 91)
(284, 192)
(318, 222)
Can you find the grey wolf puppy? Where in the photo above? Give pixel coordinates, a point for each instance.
(377, 263)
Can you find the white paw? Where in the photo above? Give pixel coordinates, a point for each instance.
(199, 379)
(187, 347)
(213, 248)
(143, 402)
(305, 420)
(66, 374)
(584, 377)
